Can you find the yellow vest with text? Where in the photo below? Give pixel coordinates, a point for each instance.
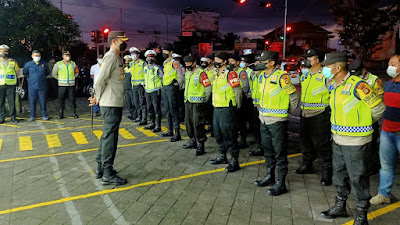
(170, 73)
(350, 115)
(254, 83)
(137, 72)
(195, 92)
(314, 93)
(372, 81)
(151, 79)
(66, 73)
(223, 93)
(8, 75)
(274, 101)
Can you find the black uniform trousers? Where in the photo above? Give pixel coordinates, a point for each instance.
(139, 98)
(170, 100)
(68, 91)
(195, 119)
(274, 144)
(7, 91)
(256, 125)
(244, 117)
(315, 138)
(153, 100)
(225, 130)
(349, 170)
(209, 112)
(109, 140)
(372, 155)
(129, 102)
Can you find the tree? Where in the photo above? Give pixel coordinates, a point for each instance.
(363, 22)
(36, 24)
(229, 40)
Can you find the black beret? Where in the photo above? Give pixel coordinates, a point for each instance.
(189, 58)
(168, 47)
(222, 55)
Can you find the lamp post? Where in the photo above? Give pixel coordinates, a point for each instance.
(284, 33)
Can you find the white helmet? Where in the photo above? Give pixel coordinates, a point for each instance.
(4, 47)
(134, 49)
(127, 57)
(150, 53)
(203, 59)
(174, 55)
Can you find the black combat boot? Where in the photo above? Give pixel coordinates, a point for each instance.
(61, 116)
(139, 117)
(268, 180)
(221, 159)
(361, 217)
(177, 136)
(326, 179)
(305, 168)
(144, 118)
(279, 187)
(200, 148)
(169, 133)
(338, 210)
(111, 178)
(257, 152)
(233, 165)
(158, 124)
(152, 121)
(191, 144)
(75, 115)
(99, 171)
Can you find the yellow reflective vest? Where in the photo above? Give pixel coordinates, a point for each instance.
(137, 72)
(170, 73)
(314, 93)
(223, 93)
(195, 92)
(152, 79)
(8, 75)
(66, 73)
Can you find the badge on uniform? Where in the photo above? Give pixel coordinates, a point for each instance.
(346, 89)
(274, 79)
(320, 77)
(43, 65)
(303, 78)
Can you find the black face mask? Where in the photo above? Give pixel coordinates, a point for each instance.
(231, 66)
(218, 65)
(253, 67)
(123, 46)
(165, 55)
(4, 55)
(204, 65)
(306, 63)
(190, 68)
(151, 61)
(261, 66)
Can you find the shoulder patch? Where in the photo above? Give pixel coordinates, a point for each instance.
(233, 79)
(243, 75)
(176, 64)
(204, 79)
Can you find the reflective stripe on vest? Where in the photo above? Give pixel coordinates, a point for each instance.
(314, 93)
(137, 72)
(223, 93)
(255, 94)
(195, 92)
(350, 116)
(170, 73)
(8, 75)
(66, 73)
(151, 79)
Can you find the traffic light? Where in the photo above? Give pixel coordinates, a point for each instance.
(289, 28)
(106, 31)
(93, 35)
(264, 4)
(240, 1)
(99, 37)
(266, 42)
(281, 37)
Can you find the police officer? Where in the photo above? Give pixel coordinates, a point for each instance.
(207, 64)
(36, 71)
(315, 125)
(197, 93)
(109, 94)
(153, 84)
(355, 107)
(356, 68)
(8, 80)
(181, 94)
(227, 97)
(129, 102)
(65, 72)
(173, 80)
(278, 99)
(137, 70)
(243, 112)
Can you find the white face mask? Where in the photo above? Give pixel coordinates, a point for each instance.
(392, 71)
(134, 57)
(67, 58)
(100, 61)
(36, 59)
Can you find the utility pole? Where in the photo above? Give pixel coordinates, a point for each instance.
(284, 32)
(61, 6)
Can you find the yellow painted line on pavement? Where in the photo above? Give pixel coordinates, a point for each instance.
(148, 133)
(1, 143)
(48, 121)
(47, 130)
(164, 129)
(126, 134)
(9, 125)
(80, 138)
(183, 127)
(53, 141)
(108, 191)
(379, 212)
(25, 143)
(98, 133)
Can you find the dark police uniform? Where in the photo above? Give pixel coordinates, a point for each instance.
(129, 94)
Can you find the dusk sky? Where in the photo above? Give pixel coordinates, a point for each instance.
(248, 20)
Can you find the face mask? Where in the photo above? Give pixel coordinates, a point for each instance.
(218, 65)
(391, 71)
(261, 66)
(36, 59)
(203, 66)
(4, 55)
(242, 65)
(327, 72)
(123, 46)
(67, 58)
(165, 55)
(151, 61)
(190, 68)
(231, 66)
(134, 57)
(100, 61)
(304, 71)
(306, 63)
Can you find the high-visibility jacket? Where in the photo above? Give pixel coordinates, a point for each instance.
(137, 72)
(66, 73)
(223, 93)
(8, 74)
(314, 92)
(195, 86)
(152, 79)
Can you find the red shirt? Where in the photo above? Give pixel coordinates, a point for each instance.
(391, 122)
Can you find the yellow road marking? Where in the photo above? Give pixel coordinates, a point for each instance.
(379, 212)
(98, 133)
(183, 127)
(79, 138)
(25, 143)
(125, 134)
(1, 143)
(47, 130)
(148, 133)
(53, 140)
(9, 125)
(164, 129)
(48, 121)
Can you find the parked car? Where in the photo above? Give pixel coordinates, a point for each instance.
(293, 70)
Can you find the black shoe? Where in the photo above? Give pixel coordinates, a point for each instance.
(200, 149)
(219, 160)
(257, 152)
(143, 122)
(99, 173)
(361, 217)
(61, 116)
(14, 120)
(177, 136)
(75, 116)
(338, 210)
(233, 166)
(305, 169)
(151, 126)
(157, 129)
(268, 180)
(97, 114)
(169, 133)
(279, 188)
(1, 121)
(191, 144)
(113, 180)
(326, 179)
(138, 119)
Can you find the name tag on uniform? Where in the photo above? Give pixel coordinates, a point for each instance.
(319, 77)
(346, 89)
(274, 79)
